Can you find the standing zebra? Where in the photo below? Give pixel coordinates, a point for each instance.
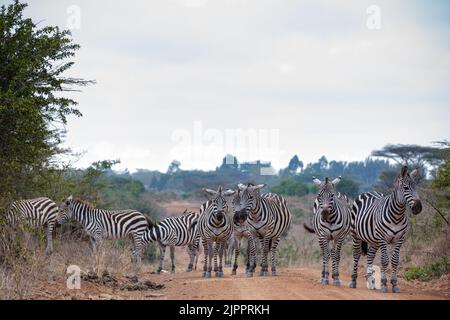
(331, 221)
(239, 231)
(267, 218)
(102, 224)
(378, 221)
(175, 231)
(39, 212)
(215, 227)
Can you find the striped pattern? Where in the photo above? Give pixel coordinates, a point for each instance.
(172, 232)
(268, 217)
(240, 231)
(331, 222)
(379, 221)
(38, 213)
(215, 228)
(102, 224)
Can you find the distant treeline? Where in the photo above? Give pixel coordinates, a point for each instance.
(295, 179)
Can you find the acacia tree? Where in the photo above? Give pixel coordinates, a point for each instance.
(33, 112)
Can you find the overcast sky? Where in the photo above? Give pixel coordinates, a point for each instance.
(193, 80)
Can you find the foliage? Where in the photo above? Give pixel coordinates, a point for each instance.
(290, 188)
(32, 108)
(349, 187)
(429, 271)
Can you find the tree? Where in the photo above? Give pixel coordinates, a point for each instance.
(33, 111)
(411, 155)
(294, 165)
(349, 187)
(174, 167)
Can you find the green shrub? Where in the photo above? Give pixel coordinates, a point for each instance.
(432, 270)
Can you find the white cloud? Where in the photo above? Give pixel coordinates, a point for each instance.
(296, 67)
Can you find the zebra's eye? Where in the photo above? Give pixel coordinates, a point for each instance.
(67, 203)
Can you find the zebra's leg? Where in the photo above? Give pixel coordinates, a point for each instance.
(229, 252)
(172, 258)
(133, 250)
(265, 253)
(323, 242)
(356, 255)
(370, 278)
(237, 250)
(251, 250)
(221, 254)
(384, 266)
(162, 253)
(206, 255)
(210, 258)
(336, 258)
(273, 250)
(49, 249)
(216, 250)
(191, 253)
(394, 262)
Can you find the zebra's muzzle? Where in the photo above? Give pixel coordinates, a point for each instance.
(416, 207)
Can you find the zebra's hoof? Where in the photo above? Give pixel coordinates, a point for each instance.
(219, 274)
(204, 274)
(249, 274)
(274, 273)
(233, 273)
(383, 290)
(189, 270)
(352, 284)
(264, 273)
(208, 275)
(337, 283)
(371, 283)
(324, 281)
(395, 289)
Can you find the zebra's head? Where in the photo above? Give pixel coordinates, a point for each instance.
(325, 198)
(239, 216)
(250, 196)
(65, 210)
(405, 186)
(219, 206)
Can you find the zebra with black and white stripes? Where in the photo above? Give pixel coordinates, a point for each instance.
(38, 212)
(268, 217)
(172, 232)
(215, 228)
(240, 231)
(102, 224)
(331, 222)
(378, 221)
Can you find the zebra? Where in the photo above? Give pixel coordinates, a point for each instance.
(175, 231)
(268, 217)
(38, 212)
(239, 231)
(215, 228)
(102, 224)
(331, 221)
(378, 221)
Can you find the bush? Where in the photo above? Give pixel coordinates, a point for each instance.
(290, 188)
(429, 271)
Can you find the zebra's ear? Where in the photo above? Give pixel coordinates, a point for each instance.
(404, 171)
(415, 173)
(210, 192)
(229, 192)
(317, 181)
(259, 186)
(70, 197)
(337, 180)
(241, 186)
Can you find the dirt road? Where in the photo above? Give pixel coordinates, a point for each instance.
(298, 283)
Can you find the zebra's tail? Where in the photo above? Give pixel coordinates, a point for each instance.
(308, 228)
(364, 246)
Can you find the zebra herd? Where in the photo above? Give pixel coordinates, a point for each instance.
(373, 220)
